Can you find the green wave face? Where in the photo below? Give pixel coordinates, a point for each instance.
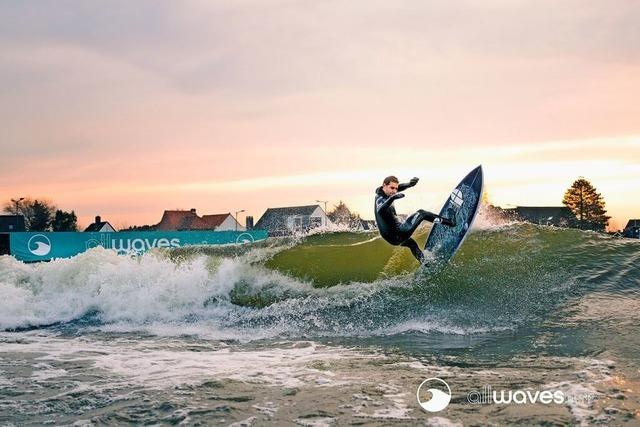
(510, 253)
(331, 259)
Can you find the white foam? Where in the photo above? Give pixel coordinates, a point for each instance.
(442, 422)
(123, 289)
(157, 365)
(331, 228)
(398, 410)
(581, 395)
(429, 325)
(488, 219)
(44, 371)
(316, 422)
(268, 408)
(245, 423)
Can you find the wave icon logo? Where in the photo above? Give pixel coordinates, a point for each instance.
(439, 399)
(39, 245)
(245, 238)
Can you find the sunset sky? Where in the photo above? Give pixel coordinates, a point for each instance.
(126, 108)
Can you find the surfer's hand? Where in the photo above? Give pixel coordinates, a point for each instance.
(413, 181)
(399, 195)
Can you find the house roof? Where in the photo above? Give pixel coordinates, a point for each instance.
(189, 220)
(274, 217)
(633, 223)
(212, 221)
(175, 220)
(97, 226)
(292, 210)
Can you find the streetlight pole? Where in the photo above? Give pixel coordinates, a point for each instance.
(237, 212)
(325, 210)
(17, 202)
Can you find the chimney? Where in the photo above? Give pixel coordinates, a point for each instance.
(192, 210)
(98, 219)
(249, 222)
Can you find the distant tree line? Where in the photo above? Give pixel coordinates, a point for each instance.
(42, 215)
(581, 198)
(140, 228)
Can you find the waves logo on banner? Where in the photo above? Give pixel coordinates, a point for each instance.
(39, 245)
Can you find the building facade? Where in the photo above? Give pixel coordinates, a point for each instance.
(9, 223)
(292, 220)
(632, 229)
(559, 216)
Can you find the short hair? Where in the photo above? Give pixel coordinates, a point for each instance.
(390, 179)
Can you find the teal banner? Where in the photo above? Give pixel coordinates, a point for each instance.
(43, 246)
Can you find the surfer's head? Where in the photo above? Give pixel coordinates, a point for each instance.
(390, 185)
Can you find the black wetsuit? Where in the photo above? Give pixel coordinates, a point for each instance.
(390, 227)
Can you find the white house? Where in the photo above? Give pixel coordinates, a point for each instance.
(100, 226)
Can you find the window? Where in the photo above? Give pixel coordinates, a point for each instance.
(315, 221)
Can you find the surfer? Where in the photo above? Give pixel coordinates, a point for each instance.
(391, 228)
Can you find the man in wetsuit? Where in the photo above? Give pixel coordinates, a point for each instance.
(390, 227)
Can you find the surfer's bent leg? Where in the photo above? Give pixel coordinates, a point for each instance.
(413, 221)
(415, 249)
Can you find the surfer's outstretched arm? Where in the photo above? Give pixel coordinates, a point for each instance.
(412, 182)
(382, 204)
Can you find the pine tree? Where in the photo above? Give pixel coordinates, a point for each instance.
(587, 205)
(341, 214)
(65, 221)
(41, 216)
